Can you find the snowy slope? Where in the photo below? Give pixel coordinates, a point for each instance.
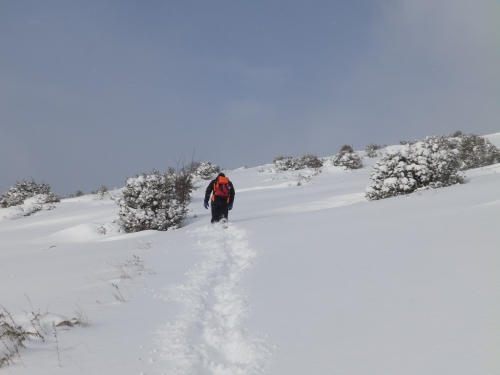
(308, 279)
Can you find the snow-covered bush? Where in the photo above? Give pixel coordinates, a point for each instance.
(476, 151)
(371, 150)
(78, 193)
(285, 163)
(407, 143)
(155, 201)
(35, 204)
(347, 158)
(206, 171)
(23, 190)
(431, 163)
(309, 161)
(346, 148)
(100, 193)
(288, 163)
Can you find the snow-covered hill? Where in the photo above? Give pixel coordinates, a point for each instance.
(309, 278)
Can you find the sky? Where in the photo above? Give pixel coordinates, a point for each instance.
(93, 92)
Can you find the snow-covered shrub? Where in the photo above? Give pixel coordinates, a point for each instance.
(206, 171)
(371, 150)
(309, 161)
(79, 193)
(346, 148)
(476, 151)
(155, 201)
(407, 143)
(347, 158)
(30, 206)
(100, 193)
(35, 204)
(284, 163)
(431, 163)
(23, 190)
(288, 163)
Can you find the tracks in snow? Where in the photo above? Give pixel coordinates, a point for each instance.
(209, 335)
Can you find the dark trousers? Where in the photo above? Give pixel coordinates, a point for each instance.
(219, 211)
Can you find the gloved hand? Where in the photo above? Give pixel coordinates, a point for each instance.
(205, 204)
(230, 206)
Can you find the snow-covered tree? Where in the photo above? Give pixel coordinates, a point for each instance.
(347, 158)
(430, 163)
(309, 161)
(79, 193)
(284, 163)
(155, 201)
(288, 163)
(100, 193)
(346, 148)
(371, 150)
(476, 151)
(206, 170)
(23, 190)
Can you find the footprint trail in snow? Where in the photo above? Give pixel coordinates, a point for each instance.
(210, 336)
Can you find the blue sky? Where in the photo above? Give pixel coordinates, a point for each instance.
(93, 92)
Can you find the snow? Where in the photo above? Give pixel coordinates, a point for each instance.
(495, 139)
(307, 278)
(390, 181)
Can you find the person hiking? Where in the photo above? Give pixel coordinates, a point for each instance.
(222, 198)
